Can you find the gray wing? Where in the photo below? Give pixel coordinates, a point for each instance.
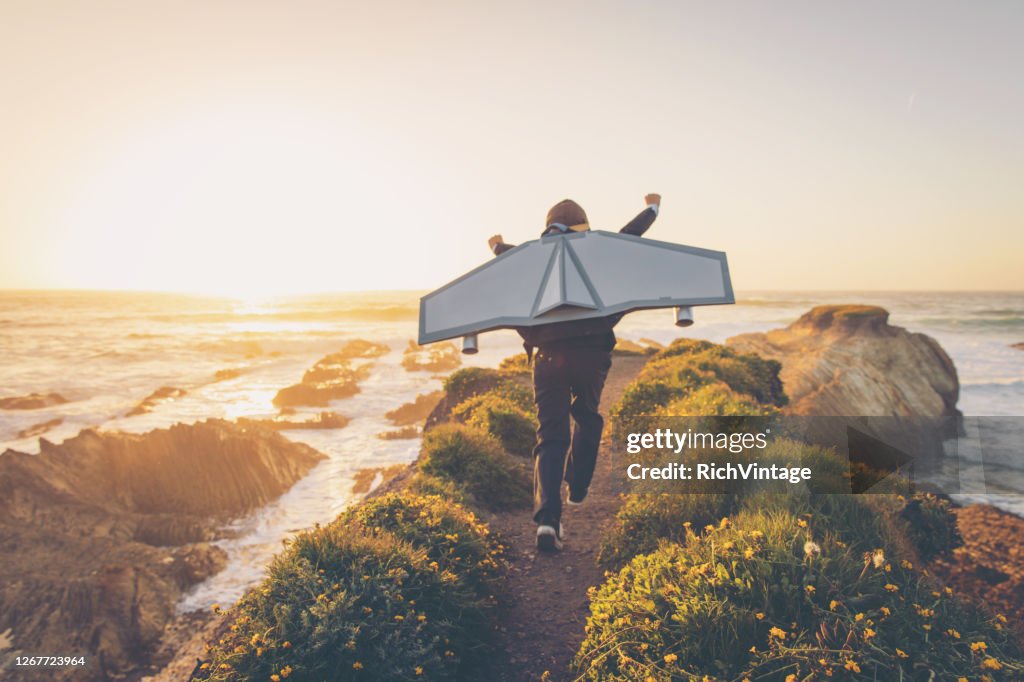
(574, 276)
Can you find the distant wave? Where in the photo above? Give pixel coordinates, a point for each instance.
(391, 313)
(1001, 384)
(1008, 322)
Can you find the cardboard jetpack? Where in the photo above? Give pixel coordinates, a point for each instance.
(575, 276)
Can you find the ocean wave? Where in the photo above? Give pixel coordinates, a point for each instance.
(1001, 383)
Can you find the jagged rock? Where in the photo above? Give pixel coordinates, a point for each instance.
(160, 395)
(847, 360)
(40, 428)
(416, 411)
(32, 401)
(323, 420)
(85, 525)
(333, 376)
(227, 374)
(440, 357)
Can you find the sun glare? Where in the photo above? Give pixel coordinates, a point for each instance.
(228, 204)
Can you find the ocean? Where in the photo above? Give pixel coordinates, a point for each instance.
(106, 351)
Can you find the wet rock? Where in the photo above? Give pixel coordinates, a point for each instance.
(32, 401)
(40, 428)
(416, 411)
(333, 377)
(160, 395)
(438, 357)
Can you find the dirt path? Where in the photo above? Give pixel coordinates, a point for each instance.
(542, 625)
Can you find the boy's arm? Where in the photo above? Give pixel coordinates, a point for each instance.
(640, 224)
(498, 245)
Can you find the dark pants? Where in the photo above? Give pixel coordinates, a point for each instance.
(567, 382)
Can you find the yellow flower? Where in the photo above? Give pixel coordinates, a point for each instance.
(979, 646)
(777, 632)
(885, 611)
(991, 664)
(286, 671)
(287, 645)
(753, 649)
(419, 670)
(953, 633)
(852, 666)
(962, 679)
(869, 633)
(724, 523)
(810, 589)
(671, 658)
(801, 523)
(708, 528)
(891, 588)
(790, 678)
(756, 534)
(399, 618)
(901, 653)
(275, 678)
(906, 564)
(748, 553)
(759, 615)
(832, 605)
(859, 617)
(727, 545)
(686, 524)
(357, 666)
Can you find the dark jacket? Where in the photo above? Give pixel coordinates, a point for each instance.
(593, 333)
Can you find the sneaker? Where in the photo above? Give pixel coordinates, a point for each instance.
(576, 499)
(548, 539)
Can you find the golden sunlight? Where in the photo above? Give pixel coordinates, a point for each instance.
(225, 203)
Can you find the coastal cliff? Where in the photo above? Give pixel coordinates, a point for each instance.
(102, 533)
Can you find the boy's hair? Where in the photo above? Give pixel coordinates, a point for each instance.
(568, 213)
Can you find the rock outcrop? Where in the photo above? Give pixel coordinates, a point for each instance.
(847, 360)
(161, 395)
(439, 357)
(101, 534)
(416, 411)
(333, 377)
(32, 401)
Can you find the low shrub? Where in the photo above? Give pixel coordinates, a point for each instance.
(644, 519)
(501, 417)
(427, 484)
(341, 604)
(516, 364)
(476, 462)
(450, 535)
(930, 525)
(767, 595)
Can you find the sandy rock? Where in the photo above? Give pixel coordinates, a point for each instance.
(847, 360)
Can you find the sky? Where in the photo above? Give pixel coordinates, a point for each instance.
(272, 148)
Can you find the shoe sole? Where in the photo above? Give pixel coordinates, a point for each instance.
(548, 542)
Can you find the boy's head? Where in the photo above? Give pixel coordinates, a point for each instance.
(566, 216)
